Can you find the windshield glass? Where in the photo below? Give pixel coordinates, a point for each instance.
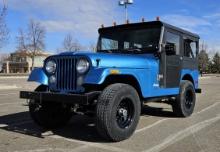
(129, 40)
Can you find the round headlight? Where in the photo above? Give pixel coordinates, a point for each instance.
(50, 67)
(82, 66)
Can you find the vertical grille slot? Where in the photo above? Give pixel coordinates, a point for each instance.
(66, 74)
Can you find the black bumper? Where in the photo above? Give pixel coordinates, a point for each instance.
(198, 90)
(59, 97)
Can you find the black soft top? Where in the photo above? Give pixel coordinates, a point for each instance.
(148, 24)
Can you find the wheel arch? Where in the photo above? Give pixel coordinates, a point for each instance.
(111, 79)
(189, 78)
(41, 87)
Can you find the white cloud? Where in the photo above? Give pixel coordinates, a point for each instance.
(213, 16)
(213, 45)
(83, 17)
(58, 26)
(205, 26)
(78, 16)
(186, 22)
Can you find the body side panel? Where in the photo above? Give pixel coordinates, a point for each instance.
(147, 79)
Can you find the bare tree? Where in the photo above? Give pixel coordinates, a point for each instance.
(4, 32)
(71, 44)
(21, 40)
(92, 47)
(36, 37)
(3, 57)
(33, 40)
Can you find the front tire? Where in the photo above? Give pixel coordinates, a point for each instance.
(49, 115)
(118, 112)
(184, 104)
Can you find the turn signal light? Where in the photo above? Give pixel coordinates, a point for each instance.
(158, 18)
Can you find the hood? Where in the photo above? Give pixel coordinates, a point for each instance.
(112, 60)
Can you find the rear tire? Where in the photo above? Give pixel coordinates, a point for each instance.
(49, 115)
(118, 112)
(184, 104)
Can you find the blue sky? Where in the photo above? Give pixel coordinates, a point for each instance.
(82, 18)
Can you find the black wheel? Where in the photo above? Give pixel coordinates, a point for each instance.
(184, 104)
(48, 114)
(118, 112)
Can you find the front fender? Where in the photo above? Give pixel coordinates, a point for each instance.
(98, 76)
(38, 75)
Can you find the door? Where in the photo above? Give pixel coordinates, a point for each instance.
(171, 61)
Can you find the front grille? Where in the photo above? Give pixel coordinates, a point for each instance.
(66, 74)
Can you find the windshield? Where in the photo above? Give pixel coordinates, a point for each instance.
(129, 41)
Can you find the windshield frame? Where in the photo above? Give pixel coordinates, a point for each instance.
(131, 28)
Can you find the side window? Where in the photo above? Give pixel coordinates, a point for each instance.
(194, 48)
(126, 45)
(190, 48)
(173, 39)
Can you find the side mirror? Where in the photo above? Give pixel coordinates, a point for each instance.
(170, 49)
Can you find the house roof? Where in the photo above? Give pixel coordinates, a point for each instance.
(25, 53)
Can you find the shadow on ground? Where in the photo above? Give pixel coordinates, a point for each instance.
(79, 128)
(157, 111)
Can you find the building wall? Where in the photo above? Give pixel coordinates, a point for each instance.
(22, 63)
(38, 61)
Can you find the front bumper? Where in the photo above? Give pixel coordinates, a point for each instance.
(84, 99)
(198, 90)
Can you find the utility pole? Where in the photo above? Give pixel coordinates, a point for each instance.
(125, 3)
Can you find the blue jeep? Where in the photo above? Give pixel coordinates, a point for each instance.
(134, 63)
